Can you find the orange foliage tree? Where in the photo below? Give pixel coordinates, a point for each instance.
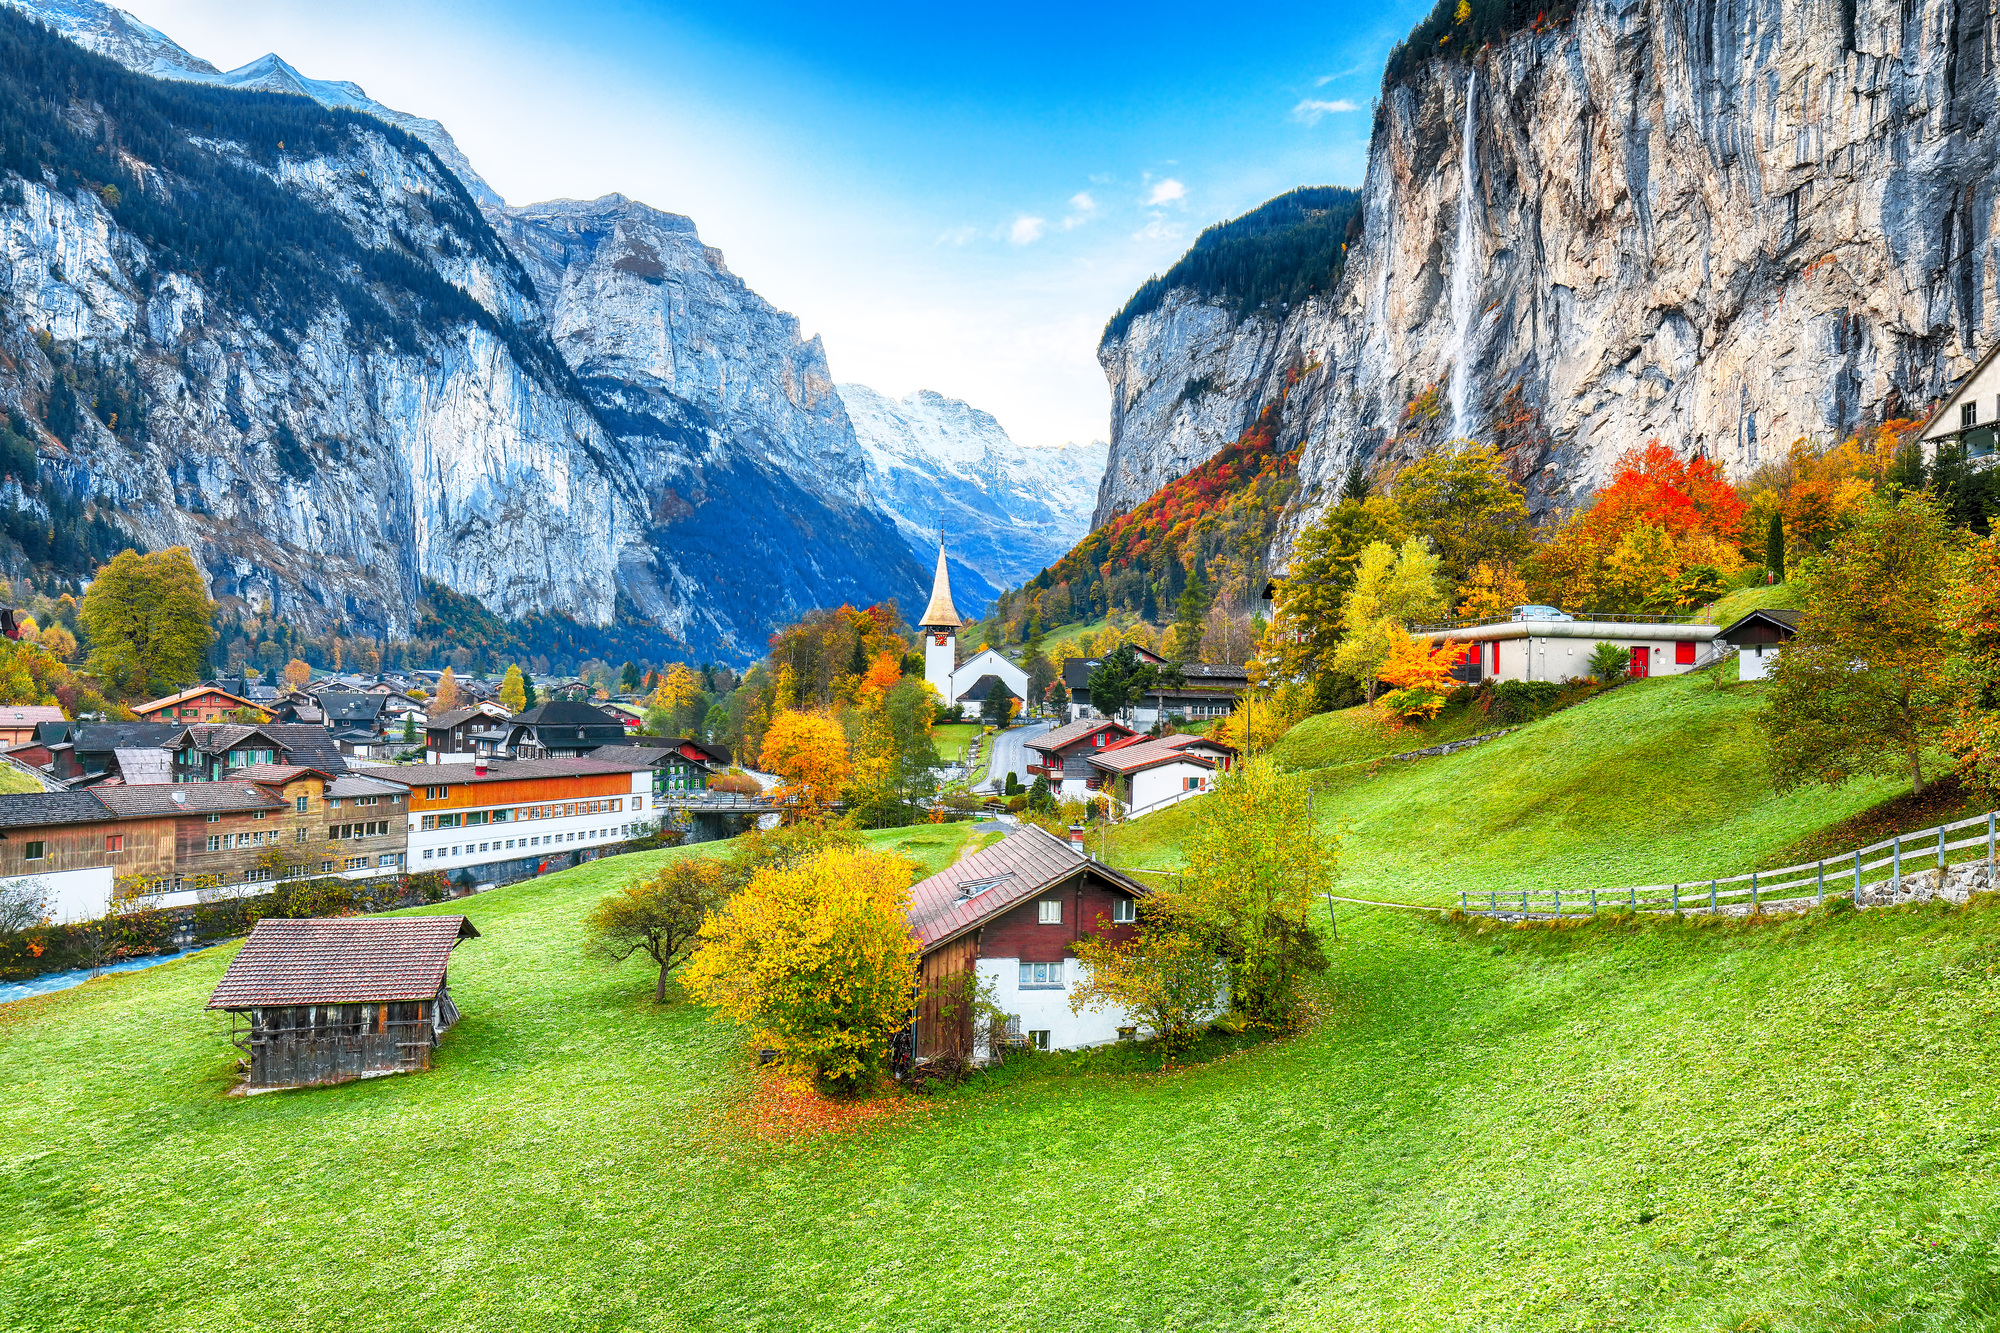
(809, 751)
(1420, 674)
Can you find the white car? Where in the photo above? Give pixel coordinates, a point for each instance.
(1539, 613)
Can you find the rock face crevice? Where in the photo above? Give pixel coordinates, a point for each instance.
(1726, 226)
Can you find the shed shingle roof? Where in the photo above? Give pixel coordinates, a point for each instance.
(507, 770)
(1016, 868)
(341, 960)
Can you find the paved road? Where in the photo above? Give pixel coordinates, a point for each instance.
(1010, 754)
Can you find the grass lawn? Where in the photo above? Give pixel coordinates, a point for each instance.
(1776, 1127)
(1657, 781)
(13, 781)
(951, 738)
(1736, 605)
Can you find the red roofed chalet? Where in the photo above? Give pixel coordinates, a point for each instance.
(1012, 913)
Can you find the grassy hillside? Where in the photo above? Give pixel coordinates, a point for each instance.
(1669, 1127)
(1743, 601)
(1657, 781)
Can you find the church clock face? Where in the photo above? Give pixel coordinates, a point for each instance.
(939, 639)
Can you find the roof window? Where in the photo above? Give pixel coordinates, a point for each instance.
(973, 888)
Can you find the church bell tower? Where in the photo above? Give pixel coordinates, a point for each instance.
(940, 630)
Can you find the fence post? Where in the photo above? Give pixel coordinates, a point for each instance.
(1495, 895)
(1711, 895)
(1559, 904)
(1593, 902)
(1677, 897)
(1940, 858)
(1896, 853)
(1857, 877)
(1524, 902)
(1461, 900)
(1635, 897)
(1821, 899)
(1989, 849)
(1753, 891)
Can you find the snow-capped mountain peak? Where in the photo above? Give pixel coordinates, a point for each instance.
(939, 464)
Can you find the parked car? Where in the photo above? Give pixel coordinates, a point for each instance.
(1539, 613)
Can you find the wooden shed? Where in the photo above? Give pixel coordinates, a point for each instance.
(325, 1000)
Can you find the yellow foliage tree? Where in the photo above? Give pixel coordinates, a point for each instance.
(809, 751)
(447, 695)
(817, 960)
(1391, 588)
(59, 641)
(513, 690)
(297, 673)
(677, 688)
(1491, 591)
(148, 621)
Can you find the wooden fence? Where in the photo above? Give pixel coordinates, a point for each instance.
(1852, 874)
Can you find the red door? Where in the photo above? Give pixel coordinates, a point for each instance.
(1641, 662)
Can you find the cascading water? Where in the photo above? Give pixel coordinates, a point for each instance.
(1462, 312)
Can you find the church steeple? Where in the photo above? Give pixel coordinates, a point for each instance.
(940, 614)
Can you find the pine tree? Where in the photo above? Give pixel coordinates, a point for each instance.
(1774, 548)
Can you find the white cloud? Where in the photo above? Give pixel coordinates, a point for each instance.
(1082, 209)
(1159, 229)
(1169, 191)
(1026, 231)
(958, 236)
(1311, 110)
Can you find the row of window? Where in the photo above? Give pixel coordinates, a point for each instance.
(385, 861)
(523, 813)
(374, 828)
(1049, 912)
(513, 844)
(224, 842)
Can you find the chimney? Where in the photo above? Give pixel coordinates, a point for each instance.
(180, 798)
(1076, 838)
(479, 766)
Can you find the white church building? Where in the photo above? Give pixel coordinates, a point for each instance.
(952, 681)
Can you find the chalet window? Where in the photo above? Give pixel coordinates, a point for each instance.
(257, 876)
(258, 814)
(326, 867)
(427, 853)
(1049, 912)
(114, 842)
(357, 863)
(386, 859)
(1968, 414)
(1123, 911)
(499, 816)
(475, 817)
(1041, 974)
(299, 805)
(215, 819)
(214, 843)
(364, 800)
(35, 851)
(300, 837)
(1038, 1038)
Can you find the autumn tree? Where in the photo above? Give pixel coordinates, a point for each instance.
(1257, 863)
(1307, 616)
(297, 674)
(1972, 620)
(895, 755)
(1863, 685)
(1472, 511)
(1391, 589)
(818, 962)
(147, 618)
(1165, 976)
(447, 694)
(1419, 673)
(1490, 591)
(997, 708)
(1123, 678)
(514, 690)
(59, 641)
(660, 915)
(809, 751)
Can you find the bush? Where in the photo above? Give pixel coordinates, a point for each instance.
(1017, 803)
(1517, 701)
(1608, 662)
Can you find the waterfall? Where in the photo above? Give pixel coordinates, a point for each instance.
(1462, 312)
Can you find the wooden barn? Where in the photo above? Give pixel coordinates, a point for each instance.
(332, 999)
(1010, 915)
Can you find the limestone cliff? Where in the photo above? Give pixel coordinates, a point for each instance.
(1723, 225)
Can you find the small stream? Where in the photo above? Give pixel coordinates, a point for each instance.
(53, 981)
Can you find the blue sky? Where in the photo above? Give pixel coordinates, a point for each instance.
(952, 197)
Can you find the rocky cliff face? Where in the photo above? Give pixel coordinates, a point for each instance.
(620, 429)
(1726, 226)
(939, 465)
(754, 484)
